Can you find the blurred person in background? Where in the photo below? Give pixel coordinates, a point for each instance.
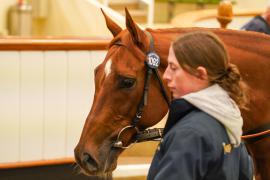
(260, 23)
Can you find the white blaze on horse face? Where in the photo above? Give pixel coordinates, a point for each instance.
(107, 68)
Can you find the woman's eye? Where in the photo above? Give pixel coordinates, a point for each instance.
(173, 68)
(126, 82)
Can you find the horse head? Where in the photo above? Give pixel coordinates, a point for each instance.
(119, 86)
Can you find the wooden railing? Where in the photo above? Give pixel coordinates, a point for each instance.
(42, 44)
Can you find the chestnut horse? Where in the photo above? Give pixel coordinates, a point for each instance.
(119, 86)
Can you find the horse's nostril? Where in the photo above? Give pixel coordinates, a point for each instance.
(89, 162)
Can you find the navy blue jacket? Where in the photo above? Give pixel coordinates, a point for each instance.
(257, 24)
(192, 149)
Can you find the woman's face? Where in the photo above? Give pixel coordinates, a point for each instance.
(182, 82)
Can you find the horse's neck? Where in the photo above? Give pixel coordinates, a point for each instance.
(242, 40)
(237, 42)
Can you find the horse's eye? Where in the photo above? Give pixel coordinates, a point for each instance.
(126, 83)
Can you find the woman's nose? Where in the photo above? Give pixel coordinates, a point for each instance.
(166, 76)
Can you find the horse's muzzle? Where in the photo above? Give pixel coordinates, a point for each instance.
(86, 162)
(89, 163)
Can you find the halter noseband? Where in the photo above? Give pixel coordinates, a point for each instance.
(152, 63)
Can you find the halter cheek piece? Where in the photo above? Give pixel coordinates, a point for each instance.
(152, 63)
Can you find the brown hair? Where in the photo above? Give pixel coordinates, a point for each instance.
(206, 49)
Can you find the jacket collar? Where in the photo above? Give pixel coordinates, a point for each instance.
(178, 109)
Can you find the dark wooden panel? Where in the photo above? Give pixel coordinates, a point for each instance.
(52, 172)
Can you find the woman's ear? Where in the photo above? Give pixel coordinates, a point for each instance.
(202, 73)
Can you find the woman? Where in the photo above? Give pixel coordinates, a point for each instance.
(202, 136)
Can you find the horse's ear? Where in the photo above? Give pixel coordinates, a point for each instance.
(137, 34)
(112, 26)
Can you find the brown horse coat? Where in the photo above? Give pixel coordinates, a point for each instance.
(113, 107)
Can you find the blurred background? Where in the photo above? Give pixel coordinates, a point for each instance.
(83, 17)
(48, 52)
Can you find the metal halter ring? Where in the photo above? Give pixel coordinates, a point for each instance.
(139, 116)
(118, 143)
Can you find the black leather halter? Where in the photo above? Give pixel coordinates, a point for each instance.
(152, 63)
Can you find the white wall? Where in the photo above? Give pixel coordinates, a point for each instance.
(251, 4)
(73, 17)
(45, 97)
